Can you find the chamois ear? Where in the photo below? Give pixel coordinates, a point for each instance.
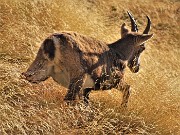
(144, 37)
(124, 30)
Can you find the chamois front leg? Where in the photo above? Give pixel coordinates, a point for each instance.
(74, 88)
(125, 89)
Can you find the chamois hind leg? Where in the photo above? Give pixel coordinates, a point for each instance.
(74, 88)
(86, 93)
(125, 89)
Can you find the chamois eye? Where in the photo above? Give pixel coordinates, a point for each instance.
(141, 49)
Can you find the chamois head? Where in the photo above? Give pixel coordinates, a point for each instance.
(131, 44)
(133, 62)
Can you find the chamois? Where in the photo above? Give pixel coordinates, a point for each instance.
(79, 62)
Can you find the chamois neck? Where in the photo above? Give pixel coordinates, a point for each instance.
(116, 44)
(122, 48)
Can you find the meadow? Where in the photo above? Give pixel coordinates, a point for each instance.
(154, 104)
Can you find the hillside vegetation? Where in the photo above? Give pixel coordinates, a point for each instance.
(154, 104)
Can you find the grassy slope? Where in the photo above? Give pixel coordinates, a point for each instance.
(154, 106)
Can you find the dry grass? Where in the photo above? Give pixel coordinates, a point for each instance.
(154, 106)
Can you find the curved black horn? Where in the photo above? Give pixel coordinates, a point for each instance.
(134, 27)
(148, 26)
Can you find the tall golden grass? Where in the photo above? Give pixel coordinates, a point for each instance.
(154, 106)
